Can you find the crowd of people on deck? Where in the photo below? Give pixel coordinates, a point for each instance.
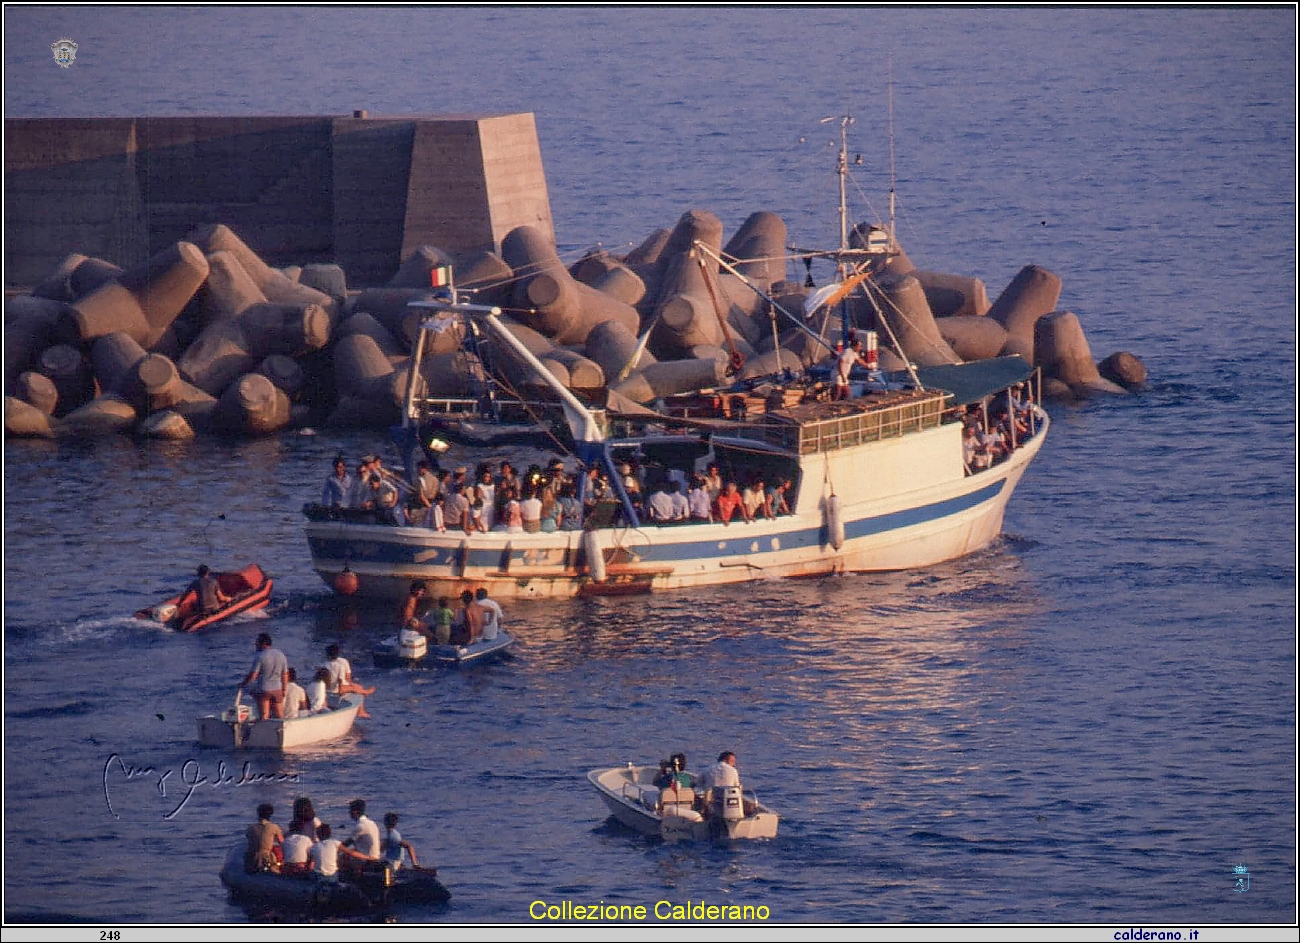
(545, 500)
(279, 696)
(990, 437)
(308, 847)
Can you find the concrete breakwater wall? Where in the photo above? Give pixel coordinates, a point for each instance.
(358, 191)
(206, 336)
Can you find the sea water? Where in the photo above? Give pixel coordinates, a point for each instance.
(1091, 721)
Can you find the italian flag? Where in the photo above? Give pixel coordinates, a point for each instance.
(441, 276)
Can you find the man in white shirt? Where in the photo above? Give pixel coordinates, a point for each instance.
(660, 506)
(295, 698)
(491, 614)
(297, 852)
(324, 855)
(364, 845)
(722, 773)
(681, 507)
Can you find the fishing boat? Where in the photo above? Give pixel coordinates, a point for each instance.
(239, 727)
(249, 590)
(345, 893)
(877, 481)
(673, 814)
(410, 649)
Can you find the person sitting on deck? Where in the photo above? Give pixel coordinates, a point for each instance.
(699, 502)
(718, 776)
(364, 846)
(341, 682)
(318, 690)
(297, 853)
(681, 507)
(776, 498)
(570, 509)
(755, 498)
(324, 855)
(530, 510)
(264, 842)
(295, 698)
(660, 506)
(730, 502)
(397, 851)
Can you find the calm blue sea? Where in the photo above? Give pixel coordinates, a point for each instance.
(1092, 722)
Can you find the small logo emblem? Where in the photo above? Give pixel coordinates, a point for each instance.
(1241, 876)
(65, 52)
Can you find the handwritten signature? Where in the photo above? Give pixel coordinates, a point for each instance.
(190, 778)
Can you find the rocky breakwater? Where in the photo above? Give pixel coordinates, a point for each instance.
(207, 338)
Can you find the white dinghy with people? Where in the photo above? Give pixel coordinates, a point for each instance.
(239, 727)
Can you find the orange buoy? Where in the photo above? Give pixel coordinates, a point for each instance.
(346, 583)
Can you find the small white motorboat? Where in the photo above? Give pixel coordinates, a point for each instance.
(671, 814)
(240, 727)
(411, 649)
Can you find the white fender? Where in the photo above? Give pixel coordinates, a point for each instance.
(595, 557)
(835, 521)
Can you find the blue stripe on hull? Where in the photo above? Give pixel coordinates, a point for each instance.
(742, 544)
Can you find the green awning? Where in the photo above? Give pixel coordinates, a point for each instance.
(971, 382)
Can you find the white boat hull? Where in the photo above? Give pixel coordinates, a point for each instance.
(628, 792)
(273, 734)
(891, 525)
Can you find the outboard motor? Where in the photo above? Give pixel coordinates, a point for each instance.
(412, 644)
(733, 805)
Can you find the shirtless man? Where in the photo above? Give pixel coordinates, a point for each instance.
(469, 621)
(408, 618)
(211, 598)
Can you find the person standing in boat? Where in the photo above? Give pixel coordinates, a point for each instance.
(469, 621)
(844, 360)
(271, 673)
(492, 614)
(443, 617)
(408, 618)
(339, 487)
(208, 591)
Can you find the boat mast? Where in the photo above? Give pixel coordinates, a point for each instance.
(842, 170)
(893, 236)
